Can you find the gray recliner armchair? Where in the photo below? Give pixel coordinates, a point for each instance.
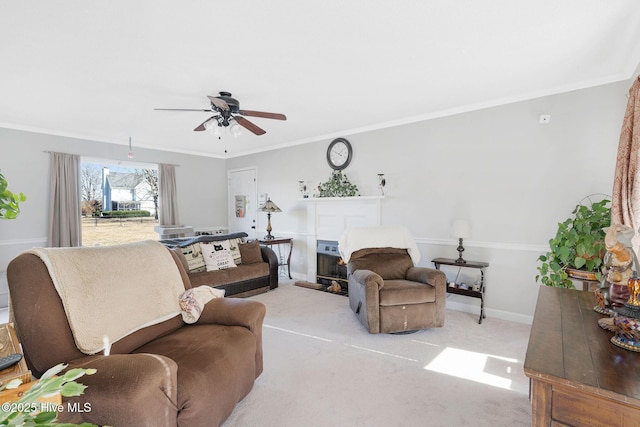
(389, 294)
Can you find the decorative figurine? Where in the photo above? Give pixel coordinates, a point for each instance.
(602, 300)
(620, 262)
(627, 319)
(634, 289)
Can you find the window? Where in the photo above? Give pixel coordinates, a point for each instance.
(119, 202)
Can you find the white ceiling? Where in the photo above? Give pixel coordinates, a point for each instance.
(97, 69)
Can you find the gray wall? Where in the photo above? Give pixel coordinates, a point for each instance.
(511, 177)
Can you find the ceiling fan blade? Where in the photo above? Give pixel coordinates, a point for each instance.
(220, 103)
(181, 109)
(263, 114)
(202, 127)
(249, 126)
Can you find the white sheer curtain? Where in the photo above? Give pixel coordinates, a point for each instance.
(167, 195)
(64, 201)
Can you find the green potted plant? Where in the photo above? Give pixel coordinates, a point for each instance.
(338, 186)
(26, 412)
(9, 202)
(577, 250)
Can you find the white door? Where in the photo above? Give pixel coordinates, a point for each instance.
(243, 201)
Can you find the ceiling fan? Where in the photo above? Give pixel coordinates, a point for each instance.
(227, 110)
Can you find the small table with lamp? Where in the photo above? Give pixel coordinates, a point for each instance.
(479, 293)
(269, 207)
(461, 229)
(280, 241)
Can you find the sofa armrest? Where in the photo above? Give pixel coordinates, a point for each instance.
(127, 389)
(233, 312)
(368, 278)
(429, 276)
(237, 312)
(270, 257)
(364, 297)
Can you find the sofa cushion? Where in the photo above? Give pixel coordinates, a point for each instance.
(217, 256)
(221, 368)
(234, 247)
(389, 263)
(193, 255)
(250, 252)
(249, 271)
(230, 275)
(401, 292)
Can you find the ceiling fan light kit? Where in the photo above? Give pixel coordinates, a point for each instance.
(229, 115)
(212, 127)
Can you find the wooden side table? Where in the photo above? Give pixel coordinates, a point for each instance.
(12, 395)
(280, 241)
(466, 292)
(578, 377)
(8, 345)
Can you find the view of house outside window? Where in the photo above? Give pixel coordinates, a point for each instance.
(119, 204)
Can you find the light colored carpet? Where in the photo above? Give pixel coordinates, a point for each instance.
(322, 368)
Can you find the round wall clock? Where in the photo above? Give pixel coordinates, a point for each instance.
(339, 154)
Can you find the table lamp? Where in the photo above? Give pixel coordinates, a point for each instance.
(461, 230)
(269, 207)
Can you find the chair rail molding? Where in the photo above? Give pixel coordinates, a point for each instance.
(29, 241)
(481, 244)
(9, 249)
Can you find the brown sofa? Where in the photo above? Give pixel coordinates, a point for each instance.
(388, 294)
(167, 374)
(256, 272)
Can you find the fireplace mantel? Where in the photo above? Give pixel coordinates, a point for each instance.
(340, 199)
(329, 217)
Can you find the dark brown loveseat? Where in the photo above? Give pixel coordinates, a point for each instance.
(257, 266)
(167, 374)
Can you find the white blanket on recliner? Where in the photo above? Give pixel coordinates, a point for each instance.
(113, 291)
(354, 239)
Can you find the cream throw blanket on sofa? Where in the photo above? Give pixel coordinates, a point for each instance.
(113, 291)
(386, 236)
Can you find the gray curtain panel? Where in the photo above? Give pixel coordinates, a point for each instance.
(167, 195)
(64, 201)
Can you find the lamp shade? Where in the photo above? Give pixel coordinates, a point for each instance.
(269, 206)
(461, 228)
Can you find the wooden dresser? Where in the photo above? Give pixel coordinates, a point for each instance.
(578, 377)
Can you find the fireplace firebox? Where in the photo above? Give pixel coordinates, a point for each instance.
(330, 267)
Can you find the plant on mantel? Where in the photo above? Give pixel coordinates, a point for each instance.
(9, 202)
(578, 244)
(338, 186)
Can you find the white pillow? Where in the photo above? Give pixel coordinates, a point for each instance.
(193, 254)
(235, 250)
(217, 255)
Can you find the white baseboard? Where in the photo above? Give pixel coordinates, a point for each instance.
(298, 276)
(490, 312)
